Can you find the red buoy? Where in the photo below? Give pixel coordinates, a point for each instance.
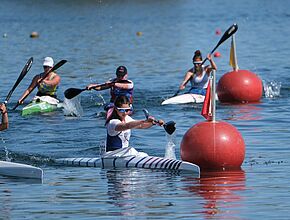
(218, 32)
(217, 54)
(239, 86)
(213, 146)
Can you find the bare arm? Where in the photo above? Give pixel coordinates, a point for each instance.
(123, 85)
(4, 123)
(99, 87)
(53, 82)
(138, 124)
(212, 63)
(28, 90)
(187, 77)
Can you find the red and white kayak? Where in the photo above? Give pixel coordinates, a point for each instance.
(184, 99)
(130, 158)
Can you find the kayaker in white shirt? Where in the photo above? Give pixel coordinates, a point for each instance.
(119, 124)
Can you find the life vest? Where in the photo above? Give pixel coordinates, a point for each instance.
(47, 90)
(116, 92)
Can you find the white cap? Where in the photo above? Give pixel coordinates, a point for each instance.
(48, 61)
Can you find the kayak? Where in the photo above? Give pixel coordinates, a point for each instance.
(41, 104)
(130, 158)
(184, 99)
(20, 170)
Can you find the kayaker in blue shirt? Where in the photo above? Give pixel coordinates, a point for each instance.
(198, 75)
(119, 86)
(48, 86)
(119, 124)
(4, 121)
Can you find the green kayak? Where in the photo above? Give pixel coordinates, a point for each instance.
(41, 104)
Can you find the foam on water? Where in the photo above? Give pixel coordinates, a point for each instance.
(72, 107)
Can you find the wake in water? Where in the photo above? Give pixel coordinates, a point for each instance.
(72, 107)
(272, 89)
(170, 147)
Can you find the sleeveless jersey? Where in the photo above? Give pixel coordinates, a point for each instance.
(117, 139)
(45, 89)
(116, 92)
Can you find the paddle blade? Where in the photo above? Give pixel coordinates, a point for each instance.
(169, 127)
(24, 71)
(72, 92)
(229, 32)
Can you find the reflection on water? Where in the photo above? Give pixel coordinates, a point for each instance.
(242, 112)
(220, 192)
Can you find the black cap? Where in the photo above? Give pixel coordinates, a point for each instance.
(121, 71)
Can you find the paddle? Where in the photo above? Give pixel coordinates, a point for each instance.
(229, 32)
(169, 127)
(73, 92)
(55, 67)
(24, 71)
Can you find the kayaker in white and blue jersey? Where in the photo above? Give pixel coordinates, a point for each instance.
(198, 75)
(48, 86)
(119, 124)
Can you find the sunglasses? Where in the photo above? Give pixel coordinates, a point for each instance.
(123, 110)
(197, 62)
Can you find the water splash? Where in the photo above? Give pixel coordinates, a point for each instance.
(72, 107)
(272, 89)
(6, 151)
(170, 147)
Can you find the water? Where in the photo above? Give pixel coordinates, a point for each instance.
(97, 36)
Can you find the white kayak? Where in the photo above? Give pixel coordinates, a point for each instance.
(20, 170)
(184, 99)
(130, 158)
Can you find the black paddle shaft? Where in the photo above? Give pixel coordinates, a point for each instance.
(24, 71)
(169, 127)
(73, 92)
(229, 32)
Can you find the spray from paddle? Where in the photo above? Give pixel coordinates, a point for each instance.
(169, 127)
(72, 107)
(170, 147)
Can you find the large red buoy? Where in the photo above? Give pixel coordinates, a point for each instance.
(239, 86)
(213, 146)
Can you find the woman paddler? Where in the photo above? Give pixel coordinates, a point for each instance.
(119, 124)
(198, 75)
(48, 86)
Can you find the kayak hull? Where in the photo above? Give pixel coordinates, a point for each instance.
(141, 160)
(20, 170)
(184, 99)
(41, 104)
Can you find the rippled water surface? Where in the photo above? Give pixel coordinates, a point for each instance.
(97, 36)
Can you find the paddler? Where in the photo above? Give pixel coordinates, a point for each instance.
(119, 124)
(119, 86)
(4, 121)
(198, 75)
(48, 86)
